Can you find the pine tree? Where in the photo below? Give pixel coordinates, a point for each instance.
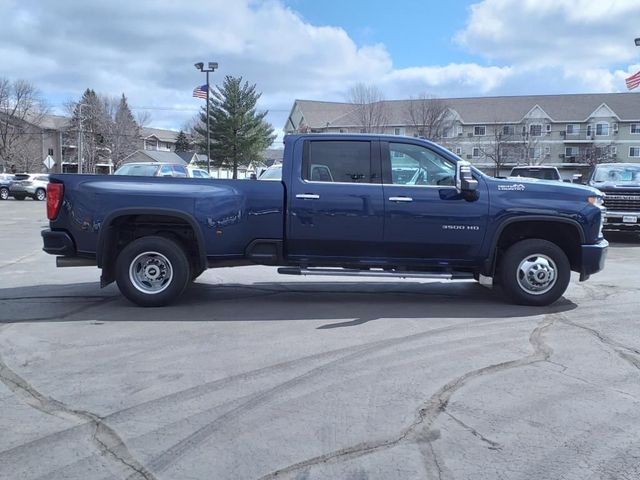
(125, 134)
(96, 126)
(238, 133)
(182, 142)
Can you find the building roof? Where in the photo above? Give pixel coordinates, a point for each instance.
(506, 109)
(161, 134)
(55, 122)
(155, 156)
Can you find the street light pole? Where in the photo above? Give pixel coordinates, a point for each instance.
(212, 67)
(80, 153)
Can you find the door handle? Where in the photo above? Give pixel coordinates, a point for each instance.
(400, 199)
(308, 196)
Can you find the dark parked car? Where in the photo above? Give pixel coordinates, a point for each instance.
(348, 205)
(621, 184)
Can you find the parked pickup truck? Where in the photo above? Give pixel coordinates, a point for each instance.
(346, 205)
(620, 182)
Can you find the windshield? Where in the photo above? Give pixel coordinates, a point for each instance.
(617, 173)
(137, 170)
(272, 173)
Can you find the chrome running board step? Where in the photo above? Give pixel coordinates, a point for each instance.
(373, 272)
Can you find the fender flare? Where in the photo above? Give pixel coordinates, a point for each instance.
(103, 250)
(490, 262)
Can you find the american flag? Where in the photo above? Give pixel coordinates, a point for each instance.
(633, 81)
(200, 92)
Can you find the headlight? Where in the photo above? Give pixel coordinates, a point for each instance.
(597, 201)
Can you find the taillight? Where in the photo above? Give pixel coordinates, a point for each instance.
(54, 199)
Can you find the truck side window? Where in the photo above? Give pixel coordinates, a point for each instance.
(416, 165)
(338, 161)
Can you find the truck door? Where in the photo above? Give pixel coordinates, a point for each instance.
(335, 205)
(425, 216)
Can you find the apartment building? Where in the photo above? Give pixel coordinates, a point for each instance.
(571, 132)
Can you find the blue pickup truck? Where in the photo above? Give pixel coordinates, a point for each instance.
(359, 205)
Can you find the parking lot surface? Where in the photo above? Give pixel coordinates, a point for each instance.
(256, 376)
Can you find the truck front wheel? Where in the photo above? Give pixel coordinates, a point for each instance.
(152, 271)
(534, 272)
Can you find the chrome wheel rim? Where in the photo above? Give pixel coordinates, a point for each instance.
(4, 194)
(150, 273)
(40, 195)
(537, 274)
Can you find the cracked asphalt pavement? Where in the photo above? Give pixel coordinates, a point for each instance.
(255, 376)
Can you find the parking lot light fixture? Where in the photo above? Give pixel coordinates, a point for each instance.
(212, 66)
(637, 42)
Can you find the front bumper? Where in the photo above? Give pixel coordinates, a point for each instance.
(593, 258)
(615, 221)
(58, 243)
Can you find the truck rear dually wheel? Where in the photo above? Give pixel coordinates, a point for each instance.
(152, 271)
(534, 272)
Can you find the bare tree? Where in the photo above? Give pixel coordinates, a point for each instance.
(371, 110)
(593, 155)
(143, 118)
(429, 116)
(502, 145)
(21, 112)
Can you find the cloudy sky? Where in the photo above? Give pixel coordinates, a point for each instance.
(316, 50)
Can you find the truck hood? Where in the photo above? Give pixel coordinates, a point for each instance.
(613, 186)
(536, 185)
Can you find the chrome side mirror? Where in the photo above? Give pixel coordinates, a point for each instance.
(465, 183)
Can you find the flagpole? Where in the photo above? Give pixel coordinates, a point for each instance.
(212, 66)
(208, 131)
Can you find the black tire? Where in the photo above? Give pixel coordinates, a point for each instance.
(152, 271)
(19, 197)
(4, 193)
(525, 272)
(40, 195)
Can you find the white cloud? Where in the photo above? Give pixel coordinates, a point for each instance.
(451, 78)
(558, 33)
(146, 49)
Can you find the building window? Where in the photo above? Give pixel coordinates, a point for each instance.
(460, 130)
(589, 130)
(508, 130)
(476, 152)
(342, 130)
(548, 128)
(535, 130)
(151, 145)
(479, 131)
(571, 151)
(573, 129)
(396, 131)
(602, 129)
(50, 152)
(614, 150)
(635, 128)
(459, 151)
(634, 152)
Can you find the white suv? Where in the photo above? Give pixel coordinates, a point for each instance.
(29, 185)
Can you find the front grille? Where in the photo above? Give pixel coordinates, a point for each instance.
(624, 201)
